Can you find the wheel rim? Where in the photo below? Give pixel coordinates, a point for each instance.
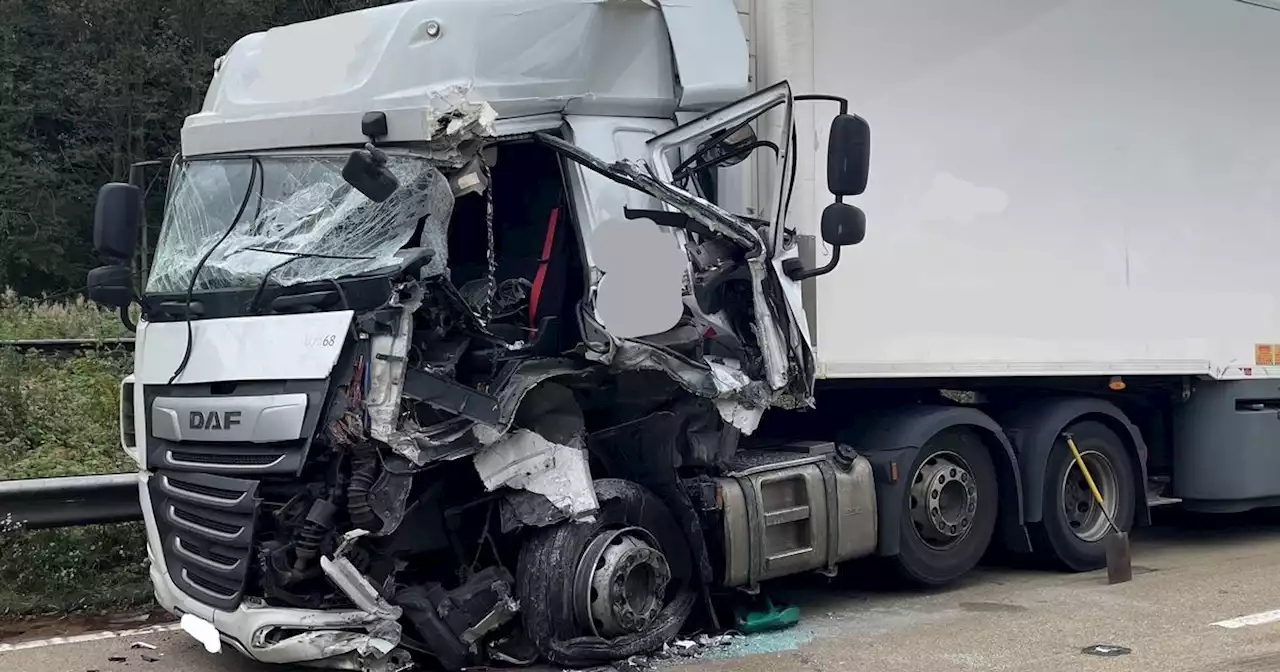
(620, 582)
(944, 500)
(1084, 517)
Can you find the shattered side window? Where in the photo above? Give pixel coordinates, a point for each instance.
(298, 221)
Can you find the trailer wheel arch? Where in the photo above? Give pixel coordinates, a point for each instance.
(896, 437)
(1033, 429)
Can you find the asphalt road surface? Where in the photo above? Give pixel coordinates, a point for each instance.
(1201, 601)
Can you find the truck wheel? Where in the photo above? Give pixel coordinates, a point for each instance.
(949, 509)
(1071, 533)
(609, 589)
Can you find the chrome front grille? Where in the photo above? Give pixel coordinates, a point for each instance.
(205, 485)
(206, 525)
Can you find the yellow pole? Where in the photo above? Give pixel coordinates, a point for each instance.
(1084, 470)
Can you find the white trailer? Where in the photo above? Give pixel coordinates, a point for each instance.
(489, 331)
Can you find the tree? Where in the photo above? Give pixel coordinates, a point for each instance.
(88, 87)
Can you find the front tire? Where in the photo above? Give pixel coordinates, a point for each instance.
(949, 509)
(595, 592)
(1071, 534)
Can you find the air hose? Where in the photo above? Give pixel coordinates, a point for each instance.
(364, 472)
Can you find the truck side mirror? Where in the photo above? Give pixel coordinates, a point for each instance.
(843, 224)
(111, 286)
(848, 155)
(115, 220)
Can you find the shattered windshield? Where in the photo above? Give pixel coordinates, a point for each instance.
(295, 218)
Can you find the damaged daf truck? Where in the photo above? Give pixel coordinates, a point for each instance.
(483, 332)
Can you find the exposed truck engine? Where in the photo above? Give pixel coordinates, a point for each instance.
(489, 332)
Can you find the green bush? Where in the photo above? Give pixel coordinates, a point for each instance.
(90, 568)
(59, 416)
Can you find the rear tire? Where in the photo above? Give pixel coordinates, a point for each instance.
(1070, 535)
(949, 509)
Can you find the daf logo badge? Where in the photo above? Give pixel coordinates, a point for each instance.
(214, 419)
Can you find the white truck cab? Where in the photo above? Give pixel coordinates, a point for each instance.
(399, 246)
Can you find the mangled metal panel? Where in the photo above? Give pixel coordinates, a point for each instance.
(785, 384)
(525, 460)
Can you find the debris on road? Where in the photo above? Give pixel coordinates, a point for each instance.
(1105, 650)
(675, 649)
(143, 645)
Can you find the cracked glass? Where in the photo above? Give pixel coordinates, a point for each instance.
(294, 218)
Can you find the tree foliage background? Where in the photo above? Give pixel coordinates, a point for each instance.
(88, 87)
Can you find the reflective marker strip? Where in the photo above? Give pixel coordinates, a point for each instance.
(1252, 619)
(88, 637)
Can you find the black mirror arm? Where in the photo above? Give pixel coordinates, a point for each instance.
(844, 102)
(794, 268)
(128, 323)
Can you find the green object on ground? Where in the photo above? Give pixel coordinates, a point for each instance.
(771, 617)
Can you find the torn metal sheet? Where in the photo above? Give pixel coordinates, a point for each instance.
(455, 117)
(460, 437)
(743, 418)
(740, 399)
(522, 508)
(357, 588)
(728, 376)
(636, 176)
(502, 612)
(357, 652)
(786, 386)
(523, 379)
(524, 460)
(443, 441)
(389, 358)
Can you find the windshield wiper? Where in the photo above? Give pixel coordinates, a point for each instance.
(254, 308)
(254, 172)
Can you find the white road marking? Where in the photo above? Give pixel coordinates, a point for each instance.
(87, 637)
(1260, 618)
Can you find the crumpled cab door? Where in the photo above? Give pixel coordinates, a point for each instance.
(752, 347)
(725, 136)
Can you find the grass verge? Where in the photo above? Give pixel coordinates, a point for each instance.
(95, 568)
(22, 318)
(59, 417)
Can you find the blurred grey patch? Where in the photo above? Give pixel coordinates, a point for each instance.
(1106, 650)
(641, 293)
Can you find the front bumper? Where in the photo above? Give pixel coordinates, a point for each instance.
(270, 634)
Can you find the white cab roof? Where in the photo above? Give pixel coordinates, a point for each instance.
(309, 84)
